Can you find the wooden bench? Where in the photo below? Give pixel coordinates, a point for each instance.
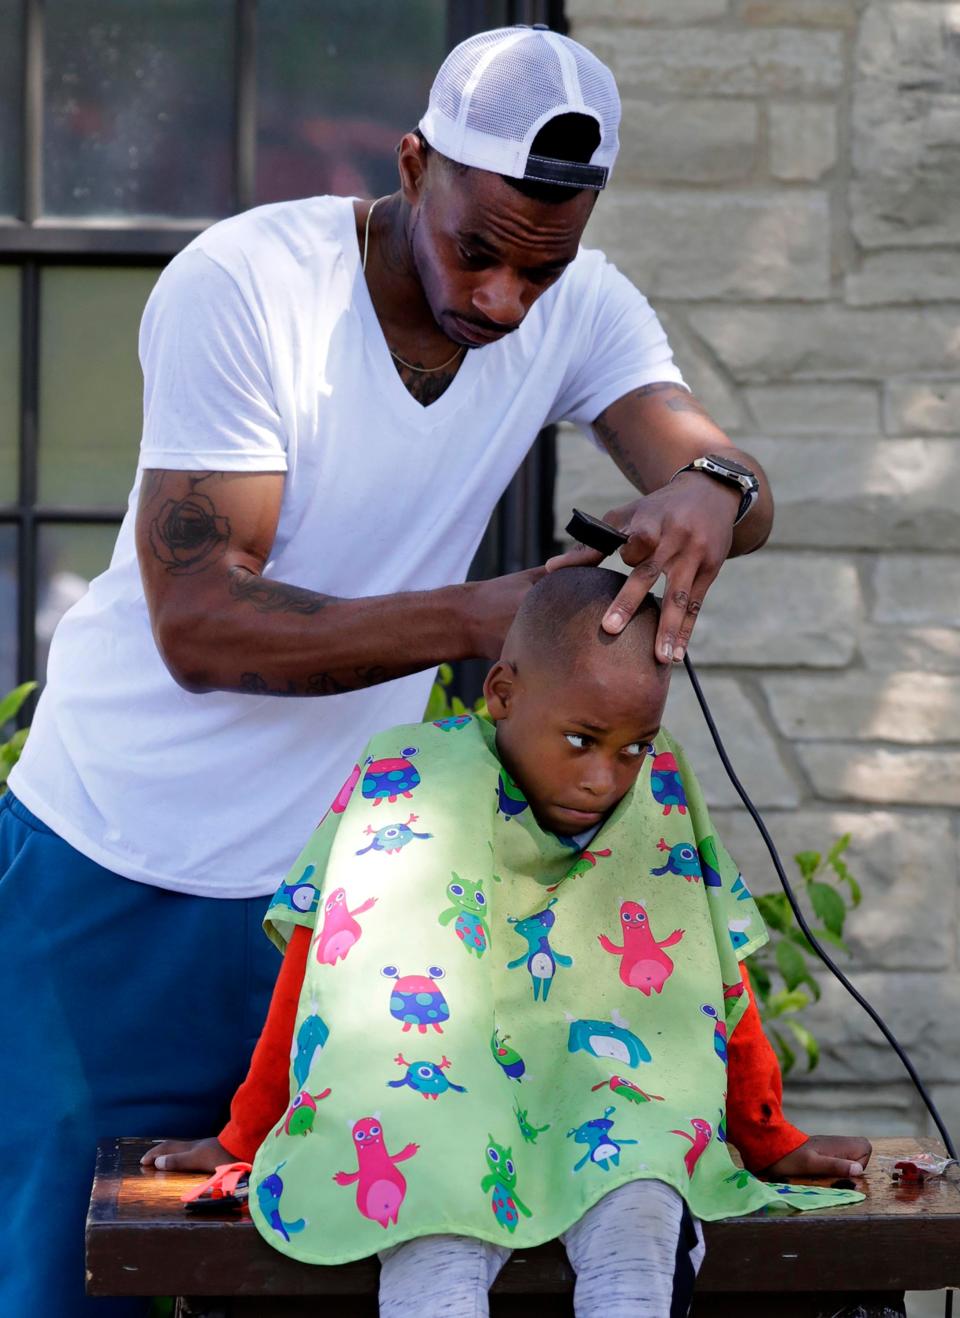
(853, 1262)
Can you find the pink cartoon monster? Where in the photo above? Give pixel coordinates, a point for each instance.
(704, 1134)
(342, 798)
(340, 929)
(643, 963)
(380, 1187)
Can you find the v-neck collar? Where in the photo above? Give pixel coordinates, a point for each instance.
(385, 374)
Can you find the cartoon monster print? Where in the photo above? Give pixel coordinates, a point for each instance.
(623, 1088)
(612, 1038)
(453, 722)
(602, 1149)
(392, 838)
(388, 779)
(342, 798)
(710, 862)
(741, 1178)
(666, 784)
(682, 859)
(703, 1134)
(731, 994)
(302, 1113)
(469, 905)
(510, 800)
(743, 893)
(416, 1000)
(582, 865)
(738, 932)
(643, 963)
(528, 1131)
(501, 1178)
(719, 1031)
(381, 1189)
(540, 959)
(302, 896)
(340, 929)
(269, 1192)
(310, 1040)
(508, 1059)
(426, 1078)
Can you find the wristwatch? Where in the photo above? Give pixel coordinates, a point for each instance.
(731, 473)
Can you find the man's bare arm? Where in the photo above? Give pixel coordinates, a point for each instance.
(683, 527)
(203, 539)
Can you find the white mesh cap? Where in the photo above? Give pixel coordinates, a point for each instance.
(496, 90)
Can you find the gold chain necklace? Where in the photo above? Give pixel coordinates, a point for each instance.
(420, 370)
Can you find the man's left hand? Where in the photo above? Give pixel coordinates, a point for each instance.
(684, 531)
(825, 1155)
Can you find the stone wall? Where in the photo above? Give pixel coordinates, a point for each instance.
(788, 196)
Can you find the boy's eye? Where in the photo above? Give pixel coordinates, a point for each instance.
(579, 740)
(636, 749)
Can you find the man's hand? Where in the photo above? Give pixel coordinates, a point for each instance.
(187, 1155)
(492, 606)
(825, 1155)
(683, 531)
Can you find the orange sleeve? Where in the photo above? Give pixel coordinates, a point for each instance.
(755, 1121)
(261, 1101)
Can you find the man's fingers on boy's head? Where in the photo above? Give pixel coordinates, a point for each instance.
(575, 556)
(634, 592)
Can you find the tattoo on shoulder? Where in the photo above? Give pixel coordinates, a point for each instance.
(274, 596)
(187, 535)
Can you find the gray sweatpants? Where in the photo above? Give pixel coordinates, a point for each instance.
(636, 1254)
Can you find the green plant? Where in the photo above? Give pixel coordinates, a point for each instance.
(782, 973)
(442, 704)
(11, 748)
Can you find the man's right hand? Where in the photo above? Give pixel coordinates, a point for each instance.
(187, 1155)
(492, 606)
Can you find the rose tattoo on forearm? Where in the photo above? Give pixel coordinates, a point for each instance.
(187, 535)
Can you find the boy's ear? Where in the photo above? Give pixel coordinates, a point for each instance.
(498, 690)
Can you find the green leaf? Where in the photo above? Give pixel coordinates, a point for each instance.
(787, 1000)
(791, 964)
(829, 906)
(775, 910)
(788, 1058)
(806, 1041)
(808, 862)
(457, 705)
(444, 674)
(11, 702)
(838, 848)
(759, 980)
(828, 936)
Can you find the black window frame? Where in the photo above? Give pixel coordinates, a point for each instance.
(520, 532)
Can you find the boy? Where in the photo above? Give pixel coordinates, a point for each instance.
(563, 933)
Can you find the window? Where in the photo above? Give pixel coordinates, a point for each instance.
(125, 129)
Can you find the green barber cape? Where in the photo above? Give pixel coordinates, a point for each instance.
(496, 1028)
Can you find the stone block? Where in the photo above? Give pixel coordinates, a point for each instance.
(722, 244)
(710, 385)
(947, 1101)
(905, 125)
(780, 610)
(905, 862)
(580, 13)
(903, 708)
(698, 141)
(829, 342)
(820, 1108)
(905, 277)
(917, 590)
(863, 494)
(799, 13)
(719, 62)
(803, 141)
(926, 649)
(923, 1010)
(815, 409)
(922, 407)
(843, 772)
(749, 744)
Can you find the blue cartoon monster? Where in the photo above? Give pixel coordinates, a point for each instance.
(612, 1038)
(392, 837)
(302, 896)
(682, 858)
(510, 800)
(388, 779)
(602, 1149)
(311, 1039)
(540, 959)
(269, 1191)
(426, 1078)
(666, 784)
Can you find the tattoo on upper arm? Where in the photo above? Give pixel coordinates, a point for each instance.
(274, 596)
(676, 398)
(612, 442)
(187, 535)
(317, 684)
(673, 396)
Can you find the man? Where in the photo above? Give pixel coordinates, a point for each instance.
(336, 394)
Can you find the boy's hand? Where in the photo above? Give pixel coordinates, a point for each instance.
(825, 1155)
(187, 1156)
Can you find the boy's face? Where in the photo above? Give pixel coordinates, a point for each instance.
(575, 742)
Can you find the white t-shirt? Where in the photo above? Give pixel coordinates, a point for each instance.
(261, 351)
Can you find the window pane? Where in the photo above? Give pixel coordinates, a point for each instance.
(91, 389)
(11, 62)
(339, 83)
(9, 380)
(8, 608)
(68, 558)
(138, 107)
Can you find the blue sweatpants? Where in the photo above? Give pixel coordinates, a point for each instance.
(124, 1010)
